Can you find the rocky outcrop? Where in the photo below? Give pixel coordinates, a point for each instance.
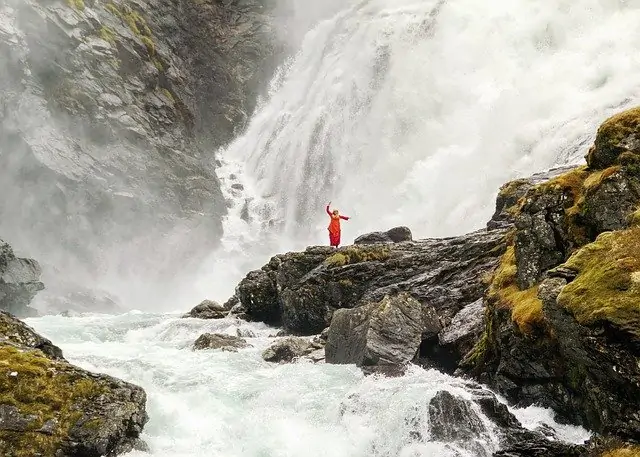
(385, 333)
(219, 341)
(289, 349)
(563, 325)
(109, 115)
(351, 287)
(208, 309)
(301, 290)
(471, 424)
(50, 407)
(19, 282)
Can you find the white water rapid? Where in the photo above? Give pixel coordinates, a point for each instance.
(401, 112)
(223, 404)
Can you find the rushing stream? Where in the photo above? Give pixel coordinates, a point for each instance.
(215, 403)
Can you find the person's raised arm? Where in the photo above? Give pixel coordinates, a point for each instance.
(328, 210)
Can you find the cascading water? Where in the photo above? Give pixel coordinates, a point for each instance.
(401, 112)
(414, 112)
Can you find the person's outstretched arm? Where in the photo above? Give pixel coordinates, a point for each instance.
(328, 210)
(346, 218)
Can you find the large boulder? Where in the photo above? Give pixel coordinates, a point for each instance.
(464, 330)
(388, 332)
(19, 282)
(208, 309)
(617, 136)
(219, 341)
(289, 349)
(49, 407)
(394, 235)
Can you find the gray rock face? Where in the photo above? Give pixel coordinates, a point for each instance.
(18, 333)
(19, 282)
(289, 349)
(608, 206)
(510, 194)
(453, 420)
(394, 235)
(464, 330)
(542, 239)
(94, 414)
(109, 113)
(208, 310)
(384, 333)
(220, 341)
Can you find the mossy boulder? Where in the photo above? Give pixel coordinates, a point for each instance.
(49, 407)
(606, 289)
(618, 135)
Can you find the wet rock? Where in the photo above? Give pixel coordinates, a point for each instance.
(20, 334)
(511, 193)
(302, 290)
(464, 330)
(289, 349)
(19, 282)
(453, 419)
(618, 135)
(542, 448)
(388, 332)
(394, 235)
(94, 414)
(608, 204)
(220, 341)
(208, 310)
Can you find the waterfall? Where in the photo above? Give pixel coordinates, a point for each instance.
(414, 112)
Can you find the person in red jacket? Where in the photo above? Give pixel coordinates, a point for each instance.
(334, 226)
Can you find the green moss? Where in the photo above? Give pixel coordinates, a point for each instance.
(76, 4)
(168, 94)
(345, 282)
(357, 254)
(525, 306)
(137, 24)
(149, 44)
(610, 138)
(157, 63)
(108, 35)
(113, 9)
(626, 451)
(607, 287)
(45, 389)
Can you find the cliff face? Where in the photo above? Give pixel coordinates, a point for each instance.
(110, 112)
(563, 322)
(19, 282)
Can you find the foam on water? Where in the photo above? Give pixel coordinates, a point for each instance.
(215, 403)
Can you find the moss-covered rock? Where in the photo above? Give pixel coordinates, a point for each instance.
(606, 290)
(49, 407)
(617, 135)
(625, 451)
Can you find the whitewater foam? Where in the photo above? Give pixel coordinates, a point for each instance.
(216, 403)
